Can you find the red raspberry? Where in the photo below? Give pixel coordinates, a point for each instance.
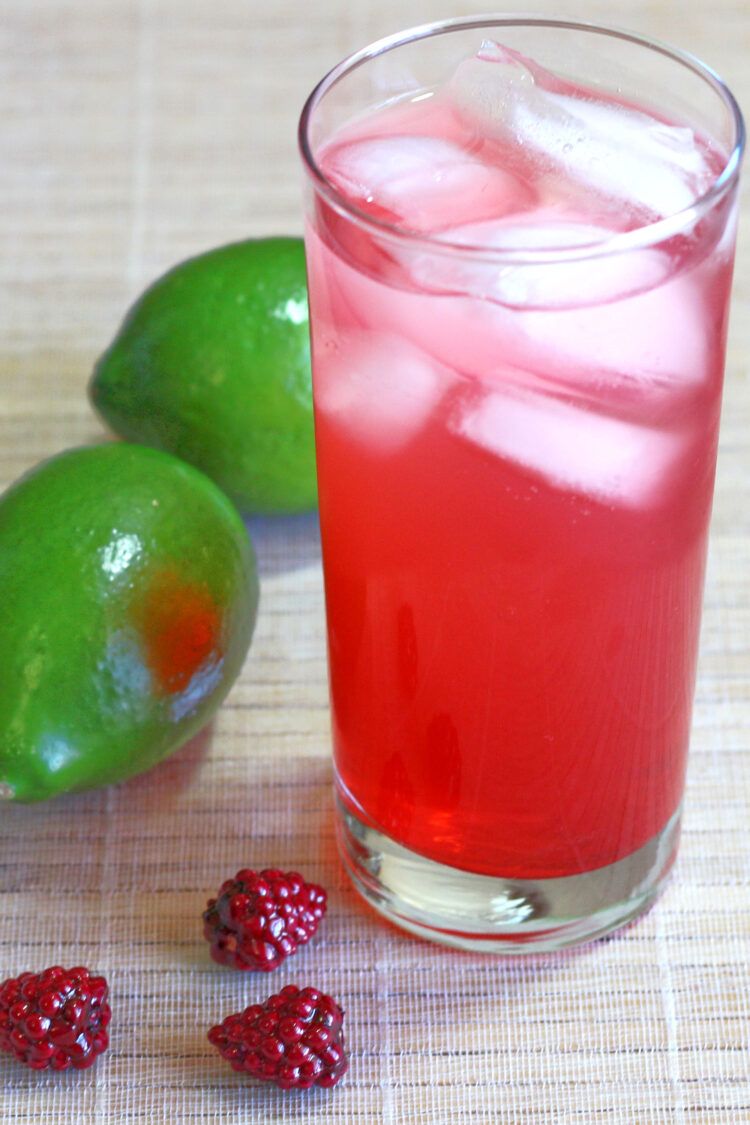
(258, 919)
(295, 1039)
(57, 1018)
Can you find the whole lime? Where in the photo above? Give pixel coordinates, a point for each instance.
(129, 595)
(212, 363)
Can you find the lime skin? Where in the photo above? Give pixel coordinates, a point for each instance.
(212, 363)
(129, 595)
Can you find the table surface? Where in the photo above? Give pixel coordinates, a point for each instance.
(135, 133)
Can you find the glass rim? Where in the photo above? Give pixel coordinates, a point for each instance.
(649, 234)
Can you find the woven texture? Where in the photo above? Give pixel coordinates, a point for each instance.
(135, 133)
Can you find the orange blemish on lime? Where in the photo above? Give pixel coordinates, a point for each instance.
(180, 626)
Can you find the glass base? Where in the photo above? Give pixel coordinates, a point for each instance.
(495, 915)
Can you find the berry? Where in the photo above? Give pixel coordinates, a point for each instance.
(260, 918)
(294, 1039)
(57, 1018)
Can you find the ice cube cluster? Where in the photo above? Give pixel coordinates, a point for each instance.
(547, 361)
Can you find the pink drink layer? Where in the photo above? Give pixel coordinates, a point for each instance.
(516, 466)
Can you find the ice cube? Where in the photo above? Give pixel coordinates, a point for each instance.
(655, 341)
(614, 320)
(376, 388)
(457, 332)
(563, 284)
(608, 459)
(423, 183)
(580, 136)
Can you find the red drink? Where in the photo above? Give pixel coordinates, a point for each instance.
(516, 460)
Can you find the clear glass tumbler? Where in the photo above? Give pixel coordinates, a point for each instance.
(520, 238)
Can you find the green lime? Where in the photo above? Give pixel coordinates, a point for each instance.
(129, 601)
(212, 363)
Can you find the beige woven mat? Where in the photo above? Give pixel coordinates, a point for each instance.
(135, 132)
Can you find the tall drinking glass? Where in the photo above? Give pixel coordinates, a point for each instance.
(520, 237)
